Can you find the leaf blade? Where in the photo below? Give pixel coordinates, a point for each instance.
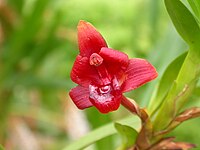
(166, 81)
(184, 21)
(100, 133)
(128, 135)
(180, 91)
(195, 5)
(189, 72)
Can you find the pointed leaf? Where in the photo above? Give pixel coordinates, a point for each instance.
(195, 5)
(190, 70)
(100, 133)
(128, 135)
(184, 21)
(166, 82)
(180, 91)
(176, 97)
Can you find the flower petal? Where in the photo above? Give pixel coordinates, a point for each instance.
(80, 97)
(83, 73)
(139, 72)
(89, 39)
(115, 61)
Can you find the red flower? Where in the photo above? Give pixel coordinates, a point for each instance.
(103, 74)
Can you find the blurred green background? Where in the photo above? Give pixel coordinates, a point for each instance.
(37, 48)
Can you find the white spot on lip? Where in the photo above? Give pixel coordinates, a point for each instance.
(105, 89)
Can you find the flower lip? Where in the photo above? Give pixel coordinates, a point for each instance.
(105, 98)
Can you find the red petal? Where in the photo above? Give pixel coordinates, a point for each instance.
(83, 73)
(80, 97)
(105, 98)
(89, 39)
(115, 61)
(139, 72)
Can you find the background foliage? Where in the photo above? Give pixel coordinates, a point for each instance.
(37, 49)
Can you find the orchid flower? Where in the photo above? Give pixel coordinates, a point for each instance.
(104, 74)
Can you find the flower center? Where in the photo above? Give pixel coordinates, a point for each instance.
(97, 61)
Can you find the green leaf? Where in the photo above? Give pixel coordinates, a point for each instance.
(165, 53)
(166, 82)
(189, 73)
(92, 115)
(128, 135)
(195, 5)
(179, 92)
(101, 132)
(184, 21)
(170, 106)
(1, 147)
(197, 91)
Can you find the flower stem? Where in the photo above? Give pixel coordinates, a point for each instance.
(143, 138)
(130, 105)
(133, 107)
